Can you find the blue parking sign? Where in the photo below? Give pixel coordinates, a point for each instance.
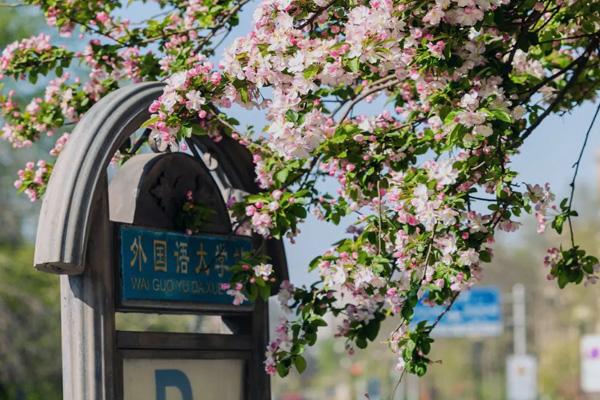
(475, 313)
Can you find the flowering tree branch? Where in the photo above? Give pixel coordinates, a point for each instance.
(579, 69)
(574, 180)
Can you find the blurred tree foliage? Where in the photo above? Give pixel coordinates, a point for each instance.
(15, 23)
(30, 362)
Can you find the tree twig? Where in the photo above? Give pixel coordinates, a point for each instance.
(222, 23)
(561, 95)
(398, 383)
(315, 15)
(215, 113)
(441, 315)
(362, 96)
(576, 166)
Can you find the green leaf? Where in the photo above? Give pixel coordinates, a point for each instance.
(282, 175)
(265, 292)
(243, 91)
(361, 342)
(151, 121)
(291, 116)
(354, 65)
(186, 131)
(314, 263)
(562, 280)
(282, 370)
(253, 293)
(300, 363)
(558, 223)
(450, 117)
(311, 338)
(485, 256)
(502, 115)
(373, 329)
(298, 211)
(312, 71)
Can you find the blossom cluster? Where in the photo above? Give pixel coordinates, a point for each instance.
(543, 199)
(62, 103)
(117, 52)
(252, 279)
(25, 57)
(33, 178)
(184, 98)
(416, 230)
(571, 265)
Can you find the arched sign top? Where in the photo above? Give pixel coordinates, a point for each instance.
(80, 173)
(64, 226)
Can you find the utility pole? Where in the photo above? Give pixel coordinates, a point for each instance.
(412, 387)
(521, 368)
(477, 349)
(519, 322)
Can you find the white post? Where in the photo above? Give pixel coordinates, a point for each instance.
(412, 387)
(521, 369)
(519, 323)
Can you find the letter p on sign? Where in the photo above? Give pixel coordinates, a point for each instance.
(176, 378)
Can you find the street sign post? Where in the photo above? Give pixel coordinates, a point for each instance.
(475, 313)
(521, 368)
(521, 377)
(118, 249)
(590, 363)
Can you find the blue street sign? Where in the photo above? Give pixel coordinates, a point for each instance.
(169, 266)
(475, 313)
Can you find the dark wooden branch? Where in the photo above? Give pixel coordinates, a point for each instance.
(582, 63)
(312, 18)
(576, 166)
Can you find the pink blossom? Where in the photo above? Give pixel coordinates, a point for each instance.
(102, 17)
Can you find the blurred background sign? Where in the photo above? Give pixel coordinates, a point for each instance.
(374, 389)
(475, 313)
(590, 363)
(521, 377)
